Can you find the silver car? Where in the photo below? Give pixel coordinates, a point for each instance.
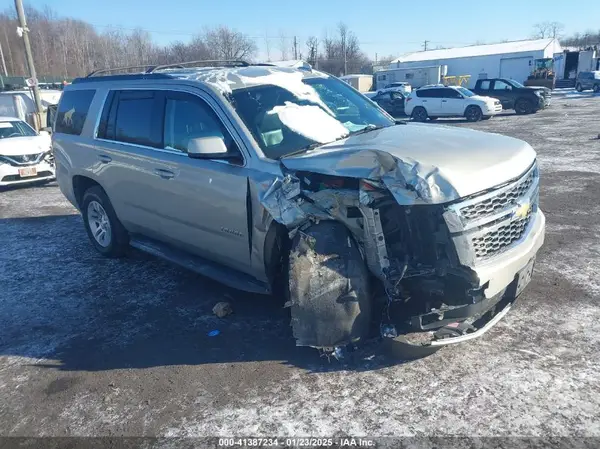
(587, 81)
(290, 182)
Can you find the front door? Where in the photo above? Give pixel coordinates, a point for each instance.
(503, 92)
(202, 204)
(453, 102)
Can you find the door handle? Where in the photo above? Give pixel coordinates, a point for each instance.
(444, 101)
(165, 174)
(104, 158)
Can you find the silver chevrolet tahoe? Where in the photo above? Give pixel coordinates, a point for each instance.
(290, 182)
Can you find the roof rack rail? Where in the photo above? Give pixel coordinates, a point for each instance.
(182, 65)
(114, 69)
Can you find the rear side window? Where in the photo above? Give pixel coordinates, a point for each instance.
(485, 85)
(72, 111)
(450, 93)
(131, 117)
(424, 93)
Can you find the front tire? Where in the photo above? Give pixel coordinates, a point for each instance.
(523, 107)
(104, 229)
(329, 287)
(596, 88)
(419, 114)
(473, 114)
(579, 88)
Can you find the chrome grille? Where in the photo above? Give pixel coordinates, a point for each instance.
(22, 159)
(495, 241)
(503, 200)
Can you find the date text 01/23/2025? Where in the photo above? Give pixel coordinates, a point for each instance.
(297, 442)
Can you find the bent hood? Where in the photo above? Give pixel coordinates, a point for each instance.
(17, 146)
(421, 163)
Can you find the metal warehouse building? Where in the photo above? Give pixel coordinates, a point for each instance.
(514, 60)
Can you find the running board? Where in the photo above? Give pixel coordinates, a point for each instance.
(197, 264)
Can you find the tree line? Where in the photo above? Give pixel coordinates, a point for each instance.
(68, 47)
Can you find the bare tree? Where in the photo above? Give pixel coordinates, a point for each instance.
(283, 45)
(227, 44)
(312, 50)
(544, 30)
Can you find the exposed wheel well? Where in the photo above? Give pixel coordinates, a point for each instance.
(276, 254)
(80, 185)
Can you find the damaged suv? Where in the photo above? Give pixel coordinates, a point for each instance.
(290, 182)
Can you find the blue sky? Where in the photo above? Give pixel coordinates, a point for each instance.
(384, 27)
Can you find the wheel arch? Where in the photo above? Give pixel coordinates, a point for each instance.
(82, 183)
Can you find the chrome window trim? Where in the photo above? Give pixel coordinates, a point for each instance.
(207, 100)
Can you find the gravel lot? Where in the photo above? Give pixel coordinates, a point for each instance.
(97, 347)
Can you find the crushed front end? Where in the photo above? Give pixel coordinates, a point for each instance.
(452, 271)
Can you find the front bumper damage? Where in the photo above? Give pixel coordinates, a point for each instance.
(449, 268)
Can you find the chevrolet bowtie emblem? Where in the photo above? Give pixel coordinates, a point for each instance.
(522, 210)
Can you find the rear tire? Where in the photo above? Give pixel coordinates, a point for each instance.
(419, 114)
(579, 88)
(523, 107)
(104, 229)
(329, 287)
(473, 113)
(596, 88)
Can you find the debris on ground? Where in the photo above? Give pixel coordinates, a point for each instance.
(222, 309)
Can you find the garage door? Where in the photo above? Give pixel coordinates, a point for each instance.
(517, 69)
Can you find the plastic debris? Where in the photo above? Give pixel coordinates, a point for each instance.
(222, 309)
(214, 333)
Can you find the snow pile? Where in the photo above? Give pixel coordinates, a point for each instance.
(310, 121)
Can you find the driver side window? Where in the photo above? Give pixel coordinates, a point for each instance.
(188, 117)
(501, 85)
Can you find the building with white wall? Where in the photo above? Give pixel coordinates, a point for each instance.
(514, 60)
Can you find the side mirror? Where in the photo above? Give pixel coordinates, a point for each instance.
(211, 147)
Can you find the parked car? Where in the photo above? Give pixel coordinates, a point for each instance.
(513, 95)
(449, 101)
(25, 155)
(588, 80)
(391, 102)
(402, 87)
(290, 181)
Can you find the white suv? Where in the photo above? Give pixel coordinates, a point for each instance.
(402, 87)
(450, 101)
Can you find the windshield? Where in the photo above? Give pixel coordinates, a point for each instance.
(515, 83)
(465, 92)
(15, 129)
(282, 123)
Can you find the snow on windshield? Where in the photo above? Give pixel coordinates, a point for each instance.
(310, 121)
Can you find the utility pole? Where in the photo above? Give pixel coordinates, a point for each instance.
(375, 58)
(425, 45)
(28, 54)
(3, 61)
(295, 48)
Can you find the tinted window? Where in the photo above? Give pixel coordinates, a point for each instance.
(133, 118)
(72, 111)
(485, 85)
(501, 85)
(450, 93)
(424, 93)
(188, 117)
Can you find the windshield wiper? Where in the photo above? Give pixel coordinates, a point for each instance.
(366, 129)
(312, 146)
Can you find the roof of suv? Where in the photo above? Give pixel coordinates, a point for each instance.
(225, 79)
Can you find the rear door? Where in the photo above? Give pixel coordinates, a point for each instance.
(503, 92)
(452, 102)
(431, 100)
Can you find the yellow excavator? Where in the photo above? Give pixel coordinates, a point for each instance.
(542, 74)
